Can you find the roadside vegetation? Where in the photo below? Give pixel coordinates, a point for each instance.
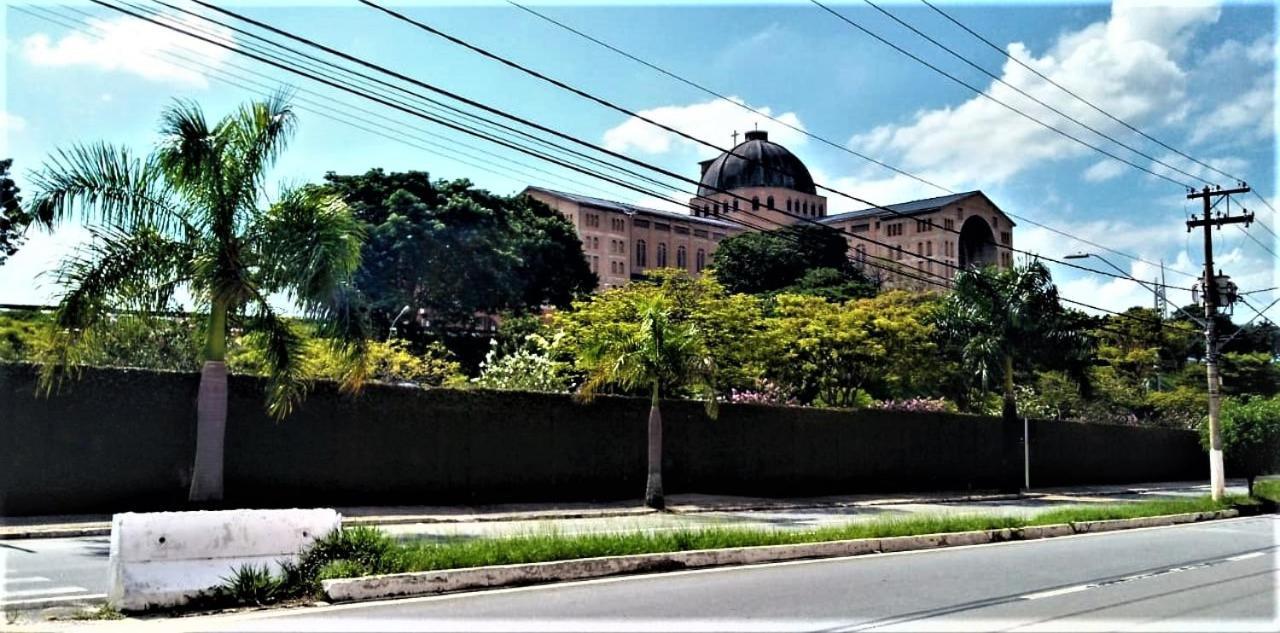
(365, 551)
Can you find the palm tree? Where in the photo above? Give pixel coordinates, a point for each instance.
(1003, 318)
(187, 216)
(653, 353)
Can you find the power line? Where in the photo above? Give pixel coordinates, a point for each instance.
(779, 121)
(1024, 93)
(1037, 73)
(377, 99)
(984, 95)
(606, 103)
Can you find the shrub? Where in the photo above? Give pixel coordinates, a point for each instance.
(251, 585)
(1250, 436)
(532, 367)
(363, 549)
(933, 405)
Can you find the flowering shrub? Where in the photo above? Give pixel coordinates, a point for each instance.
(768, 393)
(530, 368)
(933, 405)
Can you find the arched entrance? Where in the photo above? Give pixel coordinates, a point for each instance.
(977, 244)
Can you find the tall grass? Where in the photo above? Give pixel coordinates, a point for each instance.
(365, 551)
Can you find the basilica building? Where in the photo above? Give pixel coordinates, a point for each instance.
(761, 185)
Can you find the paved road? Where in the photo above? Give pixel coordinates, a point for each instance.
(1219, 576)
(50, 572)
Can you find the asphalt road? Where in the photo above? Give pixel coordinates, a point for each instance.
(1218, 576)
(49, 572)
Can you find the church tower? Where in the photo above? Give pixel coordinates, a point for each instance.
(761, 177)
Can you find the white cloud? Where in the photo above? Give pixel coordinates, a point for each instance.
(712, 121)
(1253, 113)
(130, 45)
(1104, 170)
(1127, 65)
(11, 122)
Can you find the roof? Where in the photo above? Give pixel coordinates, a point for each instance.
(913, 207)
(622, 207)
(756, 162)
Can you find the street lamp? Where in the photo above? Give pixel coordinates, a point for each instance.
(392, 331)
(1154, 290)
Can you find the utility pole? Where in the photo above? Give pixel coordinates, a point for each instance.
(1217, 477)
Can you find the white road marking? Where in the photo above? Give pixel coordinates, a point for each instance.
(22, 579)
(87, 596)
(1247, 556)
(42, 592)
(1055, 592)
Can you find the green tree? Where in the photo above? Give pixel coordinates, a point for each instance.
(652, 351)
(1003, 319)
(839, 354)
(731, 325)
(188, 215)
(1250, 436)
(770, 261)
(13, 219)
(456, 251)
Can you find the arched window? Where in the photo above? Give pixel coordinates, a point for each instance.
(642, 254)
(821, 209)
(804, 207)
(755, 203)
(788, 204)
(681, 259)
(662, 254)
(769, 202)
(701, 260)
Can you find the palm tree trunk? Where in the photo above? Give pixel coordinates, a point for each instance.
(653, 485)
(211, 412)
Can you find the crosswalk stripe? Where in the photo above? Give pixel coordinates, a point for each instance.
(49, 591)
(22, 579)
(19, 603)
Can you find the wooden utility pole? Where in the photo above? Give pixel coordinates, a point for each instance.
(1217, 477)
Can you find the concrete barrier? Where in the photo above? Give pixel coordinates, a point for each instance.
(165, 559)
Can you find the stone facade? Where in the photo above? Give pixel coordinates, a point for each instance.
(739, 193)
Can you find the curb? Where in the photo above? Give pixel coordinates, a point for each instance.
(414, 584)
(56, 532)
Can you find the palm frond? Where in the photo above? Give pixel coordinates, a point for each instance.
(283, 348)
(106, 185)
(254, 136)
(307, 245)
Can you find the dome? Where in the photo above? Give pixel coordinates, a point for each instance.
(756, 162)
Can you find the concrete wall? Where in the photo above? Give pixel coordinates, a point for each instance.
(121, 440)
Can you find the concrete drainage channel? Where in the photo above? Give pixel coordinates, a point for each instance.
(427, 583)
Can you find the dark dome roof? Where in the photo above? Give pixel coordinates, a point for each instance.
(756, 162)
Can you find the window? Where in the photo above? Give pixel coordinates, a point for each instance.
(928, 249)
(860, 253)
(592, 219)
(641, 254)
(788, 204)
(860, 228)
(658, 226)
(919, 249)
(769, 202)
(1006, 237)
(735, 204)
(804, 208)
(682, 230)
(995, 222)
(699, 233)
(949, 224)
(822, 209)
(897, 252)
(894, 230)
(662, 254)
(681, 258)
(701, 261)
(640, 224)
(717, 236)
(595, 263)
(922, 226)
(755, 203)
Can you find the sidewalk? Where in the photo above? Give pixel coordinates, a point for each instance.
(66, 526)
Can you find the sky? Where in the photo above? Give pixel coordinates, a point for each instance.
(1199, 77)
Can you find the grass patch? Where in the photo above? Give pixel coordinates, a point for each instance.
(103, 612)
(363, 551)
(1267, 490)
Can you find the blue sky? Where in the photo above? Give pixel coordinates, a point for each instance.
(1145, 62)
